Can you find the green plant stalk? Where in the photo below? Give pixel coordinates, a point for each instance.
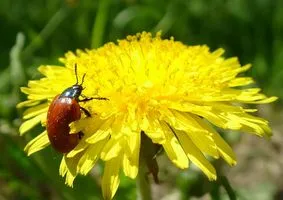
(99, 23)
(16, 69)
(225, 183)
(143, 184)
(50, 27)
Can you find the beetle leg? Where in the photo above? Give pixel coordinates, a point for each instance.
(91, 98)
(85, 111)
(81, 134)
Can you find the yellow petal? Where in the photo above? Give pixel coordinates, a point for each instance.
(53, 71)
(265, 100)
(153, 129)
(240, 81)
(224, 149)
(68, 168)
(111, 149)
(131, 155)
(203, 111)
(36, 110)
(37, 93)
(28, 103)
(89, 157)
(251, 124)
(82, 145)
(38, 143)
(29, 124)
(173, 148)
(110, 179)
(87, 125)
(103, 132)
(195, 155)
(200, 137)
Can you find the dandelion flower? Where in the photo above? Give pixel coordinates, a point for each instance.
(173, 93)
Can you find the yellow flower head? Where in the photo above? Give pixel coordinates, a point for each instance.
(171, 92)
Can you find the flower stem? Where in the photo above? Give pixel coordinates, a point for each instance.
(225, 183)
(99, 23)
(143, 185)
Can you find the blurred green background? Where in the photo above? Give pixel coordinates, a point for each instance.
(35, 32)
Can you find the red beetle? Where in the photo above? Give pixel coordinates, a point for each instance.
(63, 110)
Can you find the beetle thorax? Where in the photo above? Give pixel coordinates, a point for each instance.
(72, 92)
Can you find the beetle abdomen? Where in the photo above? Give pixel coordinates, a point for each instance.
(62, 111)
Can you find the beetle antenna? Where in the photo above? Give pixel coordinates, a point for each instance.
(76, 73)
(77, 79)
(83, 79)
